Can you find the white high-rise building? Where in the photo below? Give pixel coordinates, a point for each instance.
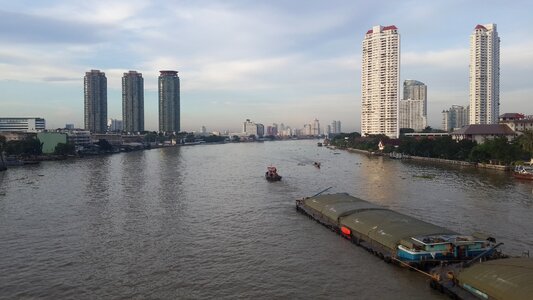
(249, 128)
(412, 114)
(484, 75)
(380, 81)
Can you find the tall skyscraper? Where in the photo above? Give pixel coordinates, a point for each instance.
(335, 127)
(95, 95)
(416, 90)
(133, 102)
(169, 101)
(380, 81)
(484, 75)
(316, 127)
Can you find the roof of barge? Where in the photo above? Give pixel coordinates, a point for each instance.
(510, 278)
(337, 205)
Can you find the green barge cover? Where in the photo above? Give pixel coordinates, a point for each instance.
(510, 278)
(388, 227)
(334, 206)
(381, 225)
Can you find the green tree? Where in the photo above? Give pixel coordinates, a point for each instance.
(526, 142)
(105, 145)
(64, 149)
(2, 143)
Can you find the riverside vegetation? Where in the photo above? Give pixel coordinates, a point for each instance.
(498, 150)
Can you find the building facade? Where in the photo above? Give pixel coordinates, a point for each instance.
(482, 132)
(22, 124)
(95, 95)
(133, 102)
(380, 81)
(335, 127)
(484, 75)
(416, 90)
(50, 140)
(455, 117)
(316, 128)
(412, 114)
(169, 101)
(114, 125)
(517, 122)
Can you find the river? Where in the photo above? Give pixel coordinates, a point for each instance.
(202, 222)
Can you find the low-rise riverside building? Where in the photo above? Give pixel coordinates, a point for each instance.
(517, 122)
(481, 132)
(80, 138)
(16, 136)
(22, 124)
(50, 140)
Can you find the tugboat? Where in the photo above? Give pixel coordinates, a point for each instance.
(272, 174)
(524, 171)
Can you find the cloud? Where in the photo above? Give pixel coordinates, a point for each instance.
(33, 29)
(94, 12)
(443, 59)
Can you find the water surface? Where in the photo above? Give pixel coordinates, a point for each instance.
(202, 222)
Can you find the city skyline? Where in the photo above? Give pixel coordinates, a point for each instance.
(230, 68)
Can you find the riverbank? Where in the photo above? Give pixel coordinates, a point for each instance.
(436, 160)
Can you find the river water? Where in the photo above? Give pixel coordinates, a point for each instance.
(202, 222)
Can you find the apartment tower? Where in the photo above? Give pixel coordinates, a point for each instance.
(169, 101)
(413, 106)
(95, 101)
(416, 90)
(133, 102)
(484, 75)
(380, 81)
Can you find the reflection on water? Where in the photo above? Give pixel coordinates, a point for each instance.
(202, 222)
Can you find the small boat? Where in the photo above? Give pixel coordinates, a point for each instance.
(523, 172)
(272, 174)
(316, 164)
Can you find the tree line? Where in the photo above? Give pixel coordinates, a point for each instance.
(498, 150)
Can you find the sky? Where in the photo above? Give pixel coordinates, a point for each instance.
(269, 61)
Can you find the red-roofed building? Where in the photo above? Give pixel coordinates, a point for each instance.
(517, 122)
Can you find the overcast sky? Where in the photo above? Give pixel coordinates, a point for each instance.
(271, 61)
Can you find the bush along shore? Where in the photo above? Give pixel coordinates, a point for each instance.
(497, 153)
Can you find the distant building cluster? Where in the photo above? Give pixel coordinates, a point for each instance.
(95, 103)
(454, 118)
(312, 129)
(382, 110)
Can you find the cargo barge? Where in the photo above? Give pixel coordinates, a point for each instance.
(392, 236)
(461, 266)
